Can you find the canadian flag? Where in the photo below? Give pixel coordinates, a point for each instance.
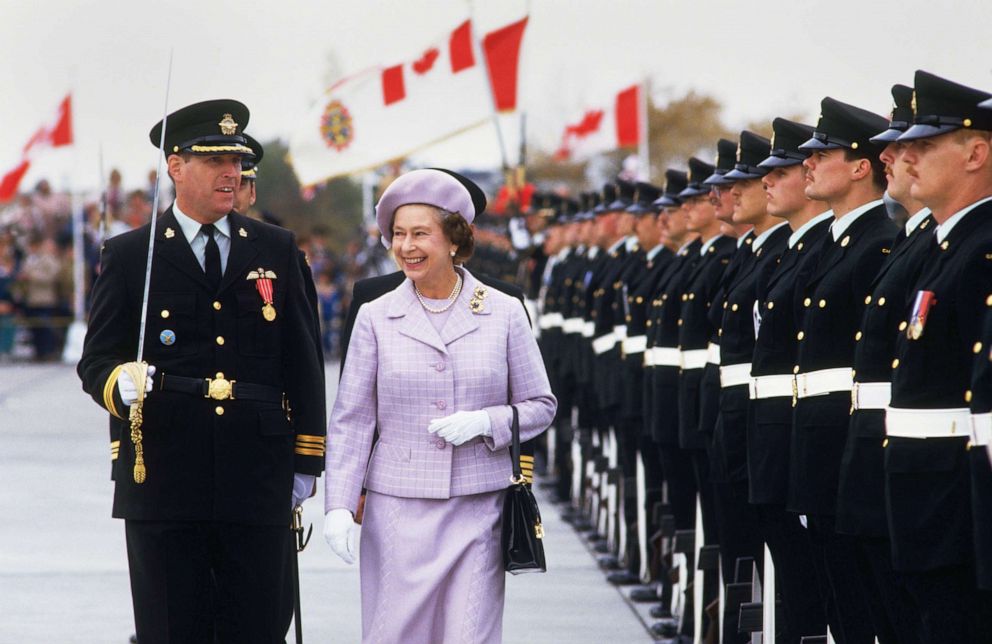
(388, 112)
(605, 128)
(56, 135)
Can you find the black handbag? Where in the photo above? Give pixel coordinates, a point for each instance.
(523, 534)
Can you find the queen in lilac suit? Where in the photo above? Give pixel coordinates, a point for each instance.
(434, 365)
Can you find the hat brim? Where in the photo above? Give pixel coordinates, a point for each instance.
(638, 209)
(619, 204)
(716, 179)
(779, 162)
(986, 104)
(740, 175)
(666, 201)
(694, 192)
(887, 136)
(817, 144)
(920, 131)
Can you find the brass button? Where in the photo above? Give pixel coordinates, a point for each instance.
(628, 318)
(967, 396)
(881, 301)
(640, 299)
(216, 305)
(220, 375)
(219, 410)
(680, 321)
(724, 305)
(857, 336)
(649, 324)
(807, 302)
(823, 304)
(719, 333)
(977, 347)
(799, 246)
(685, 297)
(771, 305)
(895, 363)
(795, 369)
(885, 442)
(988, 301)
(945, 245)
(165, 313)
(800, 335)
(220, 340)
(868, 300)
(734, 307)
(903, 325)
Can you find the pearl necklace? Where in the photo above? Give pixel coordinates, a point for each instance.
(451, 298)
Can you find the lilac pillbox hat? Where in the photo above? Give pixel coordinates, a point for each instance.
(431, 187)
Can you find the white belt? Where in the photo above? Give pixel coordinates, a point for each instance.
(735, 374)
(927, 423)
(981, 429)
(823, 381)
(634, 344)
(662, 357)
(694, 359)
(604, 343)
(779, 386)
(551, 320)
(620, 331)
(713, 353)
(871, 395)
(572, 325)
(588, 329)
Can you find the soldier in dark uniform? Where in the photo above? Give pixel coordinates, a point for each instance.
(861, 488)
(770, 390)
(740, 535)
(844, 171)
(927, 423)
(227, 425)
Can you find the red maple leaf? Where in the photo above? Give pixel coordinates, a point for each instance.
(423, 64)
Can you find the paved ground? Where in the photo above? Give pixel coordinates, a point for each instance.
(63, 571)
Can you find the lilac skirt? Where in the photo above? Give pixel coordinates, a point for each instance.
(431, 570)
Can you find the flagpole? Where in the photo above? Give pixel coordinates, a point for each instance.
(72, 350)
(481, 53)
(643, 153)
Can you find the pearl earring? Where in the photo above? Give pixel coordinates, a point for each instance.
(452, 253)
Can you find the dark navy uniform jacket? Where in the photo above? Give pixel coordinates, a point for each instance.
(206, 459)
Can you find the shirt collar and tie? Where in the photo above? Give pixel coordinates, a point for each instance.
(839, 227)
(192, 231)
(945, 228)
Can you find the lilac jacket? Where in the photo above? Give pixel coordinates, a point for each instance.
(401, 374)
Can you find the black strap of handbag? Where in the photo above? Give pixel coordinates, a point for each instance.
(518, 476)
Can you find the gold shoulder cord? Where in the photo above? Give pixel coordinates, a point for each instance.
(138, 372)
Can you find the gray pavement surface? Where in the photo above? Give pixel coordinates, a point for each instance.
(63, 568)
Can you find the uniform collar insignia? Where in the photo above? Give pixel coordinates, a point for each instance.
(169, 233)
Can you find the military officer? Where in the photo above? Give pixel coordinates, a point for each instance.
(861, 487)
(844, 171)
(227, 426)
(770, 389)
(926, 457)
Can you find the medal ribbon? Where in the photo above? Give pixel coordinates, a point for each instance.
(264, 287)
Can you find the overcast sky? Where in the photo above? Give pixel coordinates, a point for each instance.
(760, 59)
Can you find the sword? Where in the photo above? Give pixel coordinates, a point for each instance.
(299, 545)
(139, 368)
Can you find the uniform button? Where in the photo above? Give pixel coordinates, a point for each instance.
(719, 333)
(165, 313)
(680, 321)
(857, 336)
(219, 410)
(807, 302)
(800, 335)
(441, 404)
(903, 325)
(216, 305)
(771, 305)
(439, 443)
(988, 301)
(868, 300)
(734, 307)
(881, 301)
(799, 246)
(628, 318)
(640, 299)
(977, 347)
(967, 396)
(439, 366)
(685, 297)
(895, 363)
(692, 296)
(220, 340)
(823, 304)
(795, 369)
(649, 323)
(885, 442)
(724, 305)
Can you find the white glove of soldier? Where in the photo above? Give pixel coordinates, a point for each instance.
(462, 426)
(127, 388)
(302, 488)
(339, 525)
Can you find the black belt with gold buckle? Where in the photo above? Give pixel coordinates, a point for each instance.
(220, 388)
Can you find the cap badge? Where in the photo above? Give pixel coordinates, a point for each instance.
(738, 152)
(169, 233)
(912, 103)
(772, 146)
(228, 126)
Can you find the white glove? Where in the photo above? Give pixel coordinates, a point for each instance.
(462, 426)
(127, 388)
(339, 525)
(302, 488)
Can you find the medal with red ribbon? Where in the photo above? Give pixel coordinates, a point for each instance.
(263, 284)
(921, 309)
